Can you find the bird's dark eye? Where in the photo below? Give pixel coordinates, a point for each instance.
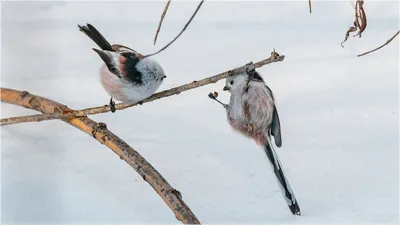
(232, 82)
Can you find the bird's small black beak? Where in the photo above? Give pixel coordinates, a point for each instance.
(164, 76)
(226, 88)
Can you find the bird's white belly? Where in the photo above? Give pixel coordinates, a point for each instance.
(235, 109)
(126, 92)
(134, 94)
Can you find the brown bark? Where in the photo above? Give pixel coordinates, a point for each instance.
(275, 57)
(171, 196)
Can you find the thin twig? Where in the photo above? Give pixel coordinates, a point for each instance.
(161, 20)
(183, 30)
(387, 42)
(100, 132)
(309, 5)
(32, 118)
(275, 57)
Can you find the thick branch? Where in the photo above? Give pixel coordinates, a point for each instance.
(387, 42)
(275, 57)
(99, 130)
(161, 20)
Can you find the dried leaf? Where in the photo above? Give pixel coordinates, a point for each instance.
(350, 30)
(360, 17)
(215, 94)
(360, 21)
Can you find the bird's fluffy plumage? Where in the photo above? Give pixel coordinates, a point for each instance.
(252, 112)
(252, 109)
(126, 91)
(127, 75)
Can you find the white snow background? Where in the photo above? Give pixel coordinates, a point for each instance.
(339, 114)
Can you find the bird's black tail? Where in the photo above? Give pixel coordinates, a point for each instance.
(96, 36)
(283, 182)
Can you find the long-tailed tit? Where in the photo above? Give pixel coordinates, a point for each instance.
(127, 75)
(252, 112)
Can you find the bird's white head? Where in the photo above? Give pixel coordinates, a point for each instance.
(235, 82)
(239, 81)
(150, 67)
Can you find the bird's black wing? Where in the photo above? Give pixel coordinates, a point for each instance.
(276, 128)
(123, 65)
(111, 60)
(129, 69)
(276, 124)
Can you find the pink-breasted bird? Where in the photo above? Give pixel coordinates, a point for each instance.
(126, 75)
(252, 112)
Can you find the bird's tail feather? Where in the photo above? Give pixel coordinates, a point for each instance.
(96, 36)
(283, 182)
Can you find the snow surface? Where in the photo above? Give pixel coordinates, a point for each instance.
(339, 114)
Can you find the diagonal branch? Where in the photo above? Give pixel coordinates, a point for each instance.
(171, 196)
(309, 5)
(275, 57)
(161, 20)
(387, 42)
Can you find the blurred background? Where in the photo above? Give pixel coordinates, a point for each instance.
(339, 114)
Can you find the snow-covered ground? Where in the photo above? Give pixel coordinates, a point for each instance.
(339, 114)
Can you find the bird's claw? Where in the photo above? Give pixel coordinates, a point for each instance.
(250, 69)
(112, 106)
(210, 95)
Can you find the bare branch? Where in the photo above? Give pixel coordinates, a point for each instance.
(387, 42)
(33, 118)
(99, 131)
(275, 57)
(161, 20)
(183, 30)
(309, 5)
